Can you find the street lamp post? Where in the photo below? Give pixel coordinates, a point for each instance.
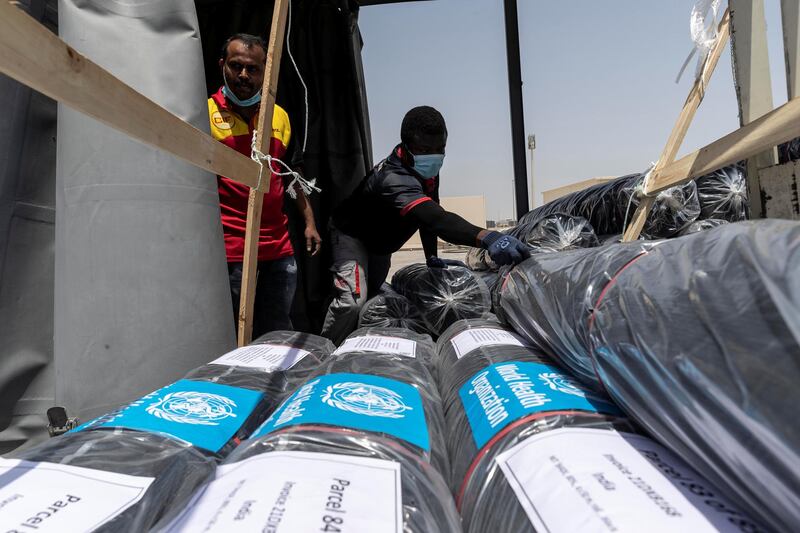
(532, 147)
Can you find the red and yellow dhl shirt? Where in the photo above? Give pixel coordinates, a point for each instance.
(230, 128)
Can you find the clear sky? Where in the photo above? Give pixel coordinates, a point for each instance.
(598, 91)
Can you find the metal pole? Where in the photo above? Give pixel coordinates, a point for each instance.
(532, 148)
(515, 100)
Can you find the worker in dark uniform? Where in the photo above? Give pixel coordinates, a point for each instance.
(397, 198)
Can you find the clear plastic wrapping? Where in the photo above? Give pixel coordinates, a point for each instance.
(443, 295)
(427, 504)
(391, 310)
(702, 225)
(695, 338)
(556, 233)
(478, 260)
(178, 468)
(723, 194)
(673, 209)
(485, 500)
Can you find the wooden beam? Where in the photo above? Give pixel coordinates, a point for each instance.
(256, 198)
(776, 127)
(32, 55)
(790, 17)
(678, 133)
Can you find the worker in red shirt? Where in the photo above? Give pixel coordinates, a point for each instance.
(233, 114)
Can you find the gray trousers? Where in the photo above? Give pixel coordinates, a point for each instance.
(357, 276)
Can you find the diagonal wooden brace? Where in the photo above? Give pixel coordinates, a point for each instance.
(681, 127)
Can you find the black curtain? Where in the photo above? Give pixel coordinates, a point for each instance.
(326, 45)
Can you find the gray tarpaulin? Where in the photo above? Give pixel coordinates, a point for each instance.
(27, 234)
(141, 292)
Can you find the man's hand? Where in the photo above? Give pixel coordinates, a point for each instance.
(437, 262)
(504, 249)
(313, 240)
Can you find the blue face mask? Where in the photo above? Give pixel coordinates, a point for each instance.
(228, 93)
(428, 165)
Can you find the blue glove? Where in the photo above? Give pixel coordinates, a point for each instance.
(438, 262)
(505, 249)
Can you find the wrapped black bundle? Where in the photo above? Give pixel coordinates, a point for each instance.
(723, 194)
(443, 295)
(316, 478)
(789, 151)
(391, 310)
(556, 233)
(703, 225)
(384, 390)
(696, 338)
(598, 204)
(504, 402)
(673, 209)
(171, 437)
(158, 475)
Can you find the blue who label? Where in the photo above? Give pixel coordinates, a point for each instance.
(206, 415)
(504, 392)
(356, 401)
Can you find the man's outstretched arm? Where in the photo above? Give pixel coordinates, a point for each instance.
(503, 249)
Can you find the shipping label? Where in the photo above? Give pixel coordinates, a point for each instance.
(45, 497)
(471, 339)
(378, 343)
(581, 479)
(295, 491)
(266, 357)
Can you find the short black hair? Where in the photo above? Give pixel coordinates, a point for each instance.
(422, 121)
(248, 41)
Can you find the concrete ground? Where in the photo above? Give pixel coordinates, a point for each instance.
(408, 257)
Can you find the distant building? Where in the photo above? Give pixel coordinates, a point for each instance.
(558, 192)
(471, 208)
(490, 224)
(506, 222)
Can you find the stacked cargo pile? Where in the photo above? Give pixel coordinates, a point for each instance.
(391, 432)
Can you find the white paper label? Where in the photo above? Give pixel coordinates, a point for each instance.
(45, 497)
(377, 343)
(267, 357)
(468, 340)
(296, 492)
(598, 480)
